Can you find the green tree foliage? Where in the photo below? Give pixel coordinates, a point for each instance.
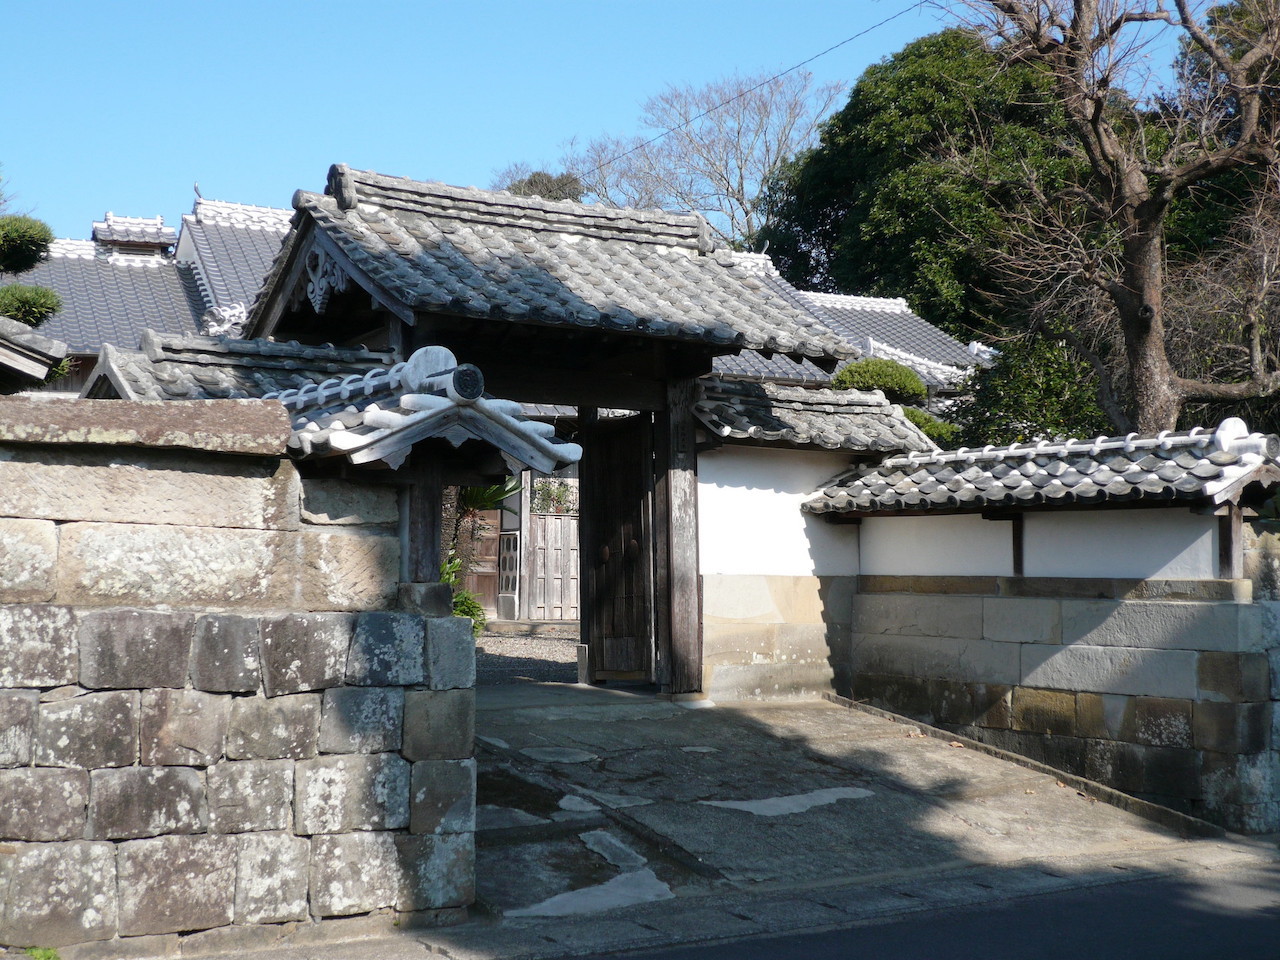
(944, 434)
(1035, 390)
(900, 384)
(880, 206)
(24, 242)
(548, 186)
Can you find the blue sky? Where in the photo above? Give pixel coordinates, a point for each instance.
(122, 106)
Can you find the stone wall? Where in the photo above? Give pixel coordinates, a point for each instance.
(1162, 689)
(220, 711)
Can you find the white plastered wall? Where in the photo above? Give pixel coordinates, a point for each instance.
(1156, 544)
(749, 516)
(936, 546)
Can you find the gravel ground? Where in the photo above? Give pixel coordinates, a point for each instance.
(502, 659)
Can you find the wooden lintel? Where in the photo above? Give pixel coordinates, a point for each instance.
(842, 519)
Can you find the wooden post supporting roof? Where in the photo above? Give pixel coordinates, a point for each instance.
(425, 494)
(680, 603)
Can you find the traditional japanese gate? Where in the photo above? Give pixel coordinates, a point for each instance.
(617, 568)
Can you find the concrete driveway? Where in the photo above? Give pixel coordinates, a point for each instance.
(609, 820)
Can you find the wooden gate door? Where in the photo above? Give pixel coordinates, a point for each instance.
(615, 511)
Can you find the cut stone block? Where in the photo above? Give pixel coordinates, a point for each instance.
(1161, 722)
(387, 649)
(1234, 677)
(171, 884)
(342, 502)
(122, 649)
(362, 720)
(436, 871)
(43, 804)
(1149, 623)
(944, 658)
(182, 728)
(17, 726)
(39, 644)
(439, 724)
(1232, 727)
(443, 797)
(135, 564)
(336, 794)
(146, 802)
(1021, 620)
(427, 599)
(60, 894)
(918, 616)
(304, 651)
(353, 873)
(28, 559)
(1051, 712)
(104, 485)
(451, 653)
(349, 570)
(250, 795)
(271, 878)
(92, 731)
(276, 728)
(224, 654)
(1145, 673)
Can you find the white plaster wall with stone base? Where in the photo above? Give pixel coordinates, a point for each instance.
(770, 573)
(223, 719)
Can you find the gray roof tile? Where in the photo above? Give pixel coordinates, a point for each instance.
(134, 231)
(214, 368)
(114, 299)
(26, 355)
(492, 255)
(1196, 465)
(232, 246)
(833, 419)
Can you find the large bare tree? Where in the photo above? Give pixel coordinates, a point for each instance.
(708, 149)
(1088, 249)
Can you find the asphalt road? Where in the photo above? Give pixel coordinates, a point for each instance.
(1227, 914)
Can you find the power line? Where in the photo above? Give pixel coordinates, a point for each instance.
(763, 83)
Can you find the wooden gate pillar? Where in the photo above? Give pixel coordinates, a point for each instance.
(678, 586)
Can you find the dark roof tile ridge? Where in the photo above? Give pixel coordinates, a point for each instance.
(174, 347)
(1231, 437)
(573, 216)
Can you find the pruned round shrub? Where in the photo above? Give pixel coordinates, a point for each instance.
(900, 384)
(945, 435)
(24, 241)
(28, 304)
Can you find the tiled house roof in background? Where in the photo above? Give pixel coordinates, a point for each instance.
(233, 246)
(833, 419)
(216, 368)
(874, 326)
(134, 231)
(890, 321)
(1197, 465)
(114, 298)
(475, 253)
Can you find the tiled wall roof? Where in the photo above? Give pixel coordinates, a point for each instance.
(1196, 465)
